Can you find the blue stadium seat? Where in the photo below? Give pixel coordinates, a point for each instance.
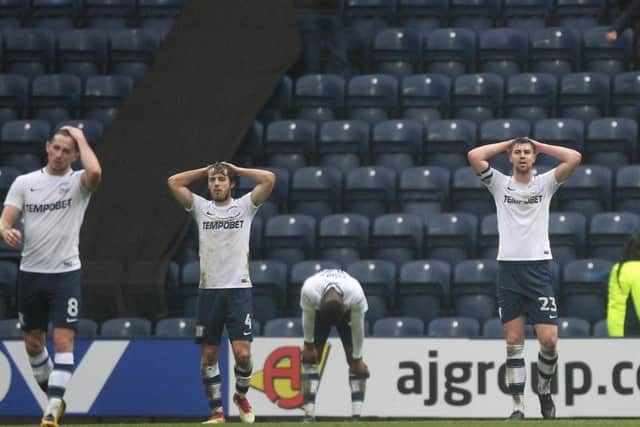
(492, 328)
(319, 97)
(269, 280)
(132, 51)
(488, 237)
(92, 129)
(565, 132)
(396, 237)
(583, 288)
(571, 327)
(290, 144)
(8, 279)
(449, 51)
(82, 52)
(422, 15)
(279, 103)
(86, 328)
(370, 191)
(424, 190)
(378, 279)
(425, 97)
(477, 97)
(450, 236)
(396, 51)
(609, 232)
(300, 272)
(10, 328)
(459, 327)
(599, 55)
(423, 289)
(588, 191)
(526, 14)
(190, 274)
(104, 95)
(625, 95)
(397, 144)
(14, 95)
(159, 14)
(600, 329)
(503, 51)
(289, 238)
(55, 97)
(108, 14)
(22, 142)
(289, 327)
(398, 327)
(12, 13)
(580, 14)
(176, 327)
(611, 142)
(473, 288)
(315, 191)
(367, 17)
(554, 50)
(28, 52)
(567, 235)
(468, 194)
(473, 14)
(583, 96)
(251, 148)
(54, 14)
(255, 240)
(530, 96)
(448, 141)
(343, 144)
(372, 97)
(627, 190)
(278, 199)
(498, 130)
(343, 238)
(125, 327)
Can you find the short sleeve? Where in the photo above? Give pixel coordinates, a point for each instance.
(198, 201)
(15, 196)
(549, 181)
(246, 203)
(491, 178)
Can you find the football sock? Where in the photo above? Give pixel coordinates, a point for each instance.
(310, 380)
(60, 376)
(212, 384)
(243, 377)
(358, 386)
(516, 375)
(42, 365)
(547, 364)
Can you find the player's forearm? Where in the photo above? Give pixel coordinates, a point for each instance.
(357, 333)
(260, 176)
(485, 152)
(308, 323)
(563, 154)
(89, 160)
(183, 179)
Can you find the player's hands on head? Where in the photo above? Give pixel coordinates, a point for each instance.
(74, 131)
(12, 237)
(231, 166)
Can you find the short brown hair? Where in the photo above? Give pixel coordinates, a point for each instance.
(522, 140)
(220, 168)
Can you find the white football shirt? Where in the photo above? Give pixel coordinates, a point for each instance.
(523, 214)
(52, 208)
(224, 233)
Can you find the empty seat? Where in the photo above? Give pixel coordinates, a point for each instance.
(425, 97)
(627, 191)
(396, 237)
(54, 14)
(571, 327)
(398, 327)
(424, 190)
(104, 95)
(279, 103)
(344, 144)
(554, 50)
(449, 51)
(250, 150)
(567, 235)
(8, 277)
(367, 17)
(279, 196)
(343, 238)
(132, 51)
(468, 194)
(423, 289)
(492, 328)
(473, 288)
(599, 55)
(290, 144)
(125, 327)
(372, 97)
(588, 191)
(370, 191)
(498, 130)
(583, 288)
(176, 327)
(108, 14)
(289, 327)
(86, 328)
(488, 237)
(378, 280)
(397, 144)
(450, 236)
(22, 143)
(289, 238)
(477, 97)
(503, 51)
(300, 272)
(396, 51)
(474, 14)
(580, 14)
(319, 97)
(315, 191)
(12, 13)
(459, 327)
(55, 97)
(530, 96)
(448, 141)
(600, 329)
(611, 141)
(14, 95)
(609, 232)
(583, 96)
(526, 14)
(269, 280)
(10, 328)
(159, 14)
(82, 52)
(565, 132)
(422, 15)
(28, 52)
(625, 96)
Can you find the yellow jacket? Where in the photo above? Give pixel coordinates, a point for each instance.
(624, 300)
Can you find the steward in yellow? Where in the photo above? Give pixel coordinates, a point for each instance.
(623, 311)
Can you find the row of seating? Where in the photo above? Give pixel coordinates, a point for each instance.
(133, 327)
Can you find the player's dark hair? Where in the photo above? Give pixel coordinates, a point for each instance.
(522, 140)
(631, 252)
(66, 134)
(331, 307)
(219, 167)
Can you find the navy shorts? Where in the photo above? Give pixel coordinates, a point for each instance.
(322, 329)
(49, 297)
(525, 288)
(217, 308)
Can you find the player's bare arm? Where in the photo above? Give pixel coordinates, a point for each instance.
(10, 235)
(479, 156)
(265, 180)
(179, 185)
(92, 174)
(569, 159)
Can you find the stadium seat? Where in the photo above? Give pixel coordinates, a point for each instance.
(370, 191)
(82, 53)
(474, 14)
(571, 327)
(378, 280)
(530, 96)
(28, 52)
(10, 328)
(269, 280)
(22, 143)
(315, 191)
(300, 272)
(423, 289)
(611, 142)
(397, 144)
(86, 328)
(54, 14)
(367, 17)
(396, 237)
(600, 329)
(498, 130)
(488, 237)
(250, 151)
(125, 327)
(503, 51)
(372, 97)
(280, 195)
(396, 52)
(583, 288)
(398, 327)
(8, 279)
(627, 190)
(599, 55)
(492, 328)
(343, 238)
(176, 327)
(459, 327)
(55, 97)
(344, 144)
(290, 144)
(449, 51)
(425, 97)
(450, 236)
(108, 14)
(289, 238)
(580, 14)
(583, 96)
(477, 97)
(473, 288)
(567, 235)
(422, 16)
(12, 13)
(448, 141)
(289, 327)
(526, 14)
(554, 50)
(159, 14)
(588, 191)
(609, 232)
(279, 103)
(132, 51)
(625, 95)
(319, 97)
(565, 132)
(104, 95)
(14, 95)
(424, 190)
(468, 194)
